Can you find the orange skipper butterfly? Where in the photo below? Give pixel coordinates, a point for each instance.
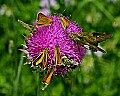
(48, 77)
(41, 58)
(43, 20)
(65, 22)
(58, 59)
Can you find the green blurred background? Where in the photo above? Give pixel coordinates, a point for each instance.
(99, 74)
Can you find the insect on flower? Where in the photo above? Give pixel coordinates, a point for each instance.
(65, 22)
(48, 77)
(58, 59)
(43, 20)
(90, 39)
(41, 59)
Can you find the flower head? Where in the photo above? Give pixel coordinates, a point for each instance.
(51, 35)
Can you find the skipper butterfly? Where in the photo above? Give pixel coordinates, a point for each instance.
(90, 39)
(65, 22)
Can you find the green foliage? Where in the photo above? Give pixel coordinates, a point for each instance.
(97, 75)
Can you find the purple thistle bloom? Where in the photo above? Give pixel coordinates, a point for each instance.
(49, 36)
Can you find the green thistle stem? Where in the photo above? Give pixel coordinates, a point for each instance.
(16, 84)
(38, 83)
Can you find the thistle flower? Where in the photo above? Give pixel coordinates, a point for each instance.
(47, 37)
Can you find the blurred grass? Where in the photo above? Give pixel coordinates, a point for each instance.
(97, 76)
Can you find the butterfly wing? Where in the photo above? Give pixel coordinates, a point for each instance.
(101, 37)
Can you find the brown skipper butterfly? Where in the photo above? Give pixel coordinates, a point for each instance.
(58, 59)
(43, 20)
(65, 22)
(41, 58)
(48, 76)
(90, 39)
